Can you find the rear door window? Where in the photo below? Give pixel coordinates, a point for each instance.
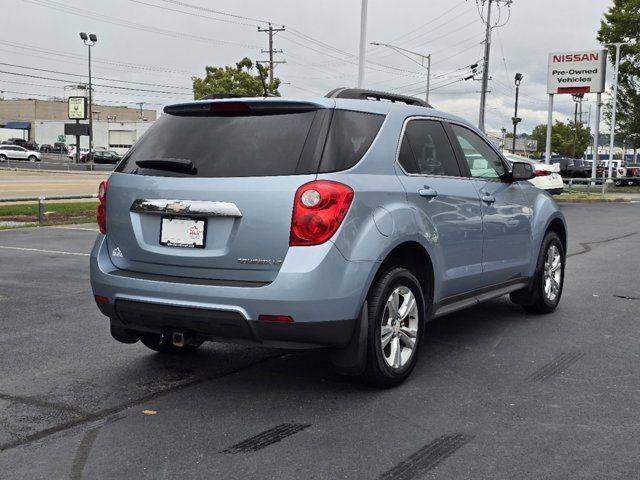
(426, 150)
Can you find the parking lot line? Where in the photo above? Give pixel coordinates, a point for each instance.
(78, 228)
(44, 251)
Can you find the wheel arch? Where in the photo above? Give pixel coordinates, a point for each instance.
(413, 255)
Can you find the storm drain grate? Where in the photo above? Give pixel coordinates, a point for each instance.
(427, 457)
(266, 438)
(555, 367)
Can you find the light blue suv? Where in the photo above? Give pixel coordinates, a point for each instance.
(345, 222)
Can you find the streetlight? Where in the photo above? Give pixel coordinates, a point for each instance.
(400, 50)
(89, 40)
(516, 120)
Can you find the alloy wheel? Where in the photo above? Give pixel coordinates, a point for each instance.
(399, 327)
(552, 273)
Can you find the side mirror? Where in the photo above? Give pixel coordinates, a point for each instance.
(522, 171)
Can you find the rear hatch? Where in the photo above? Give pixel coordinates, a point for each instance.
(208, 191)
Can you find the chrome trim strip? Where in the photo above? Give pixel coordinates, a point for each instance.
(195, 208)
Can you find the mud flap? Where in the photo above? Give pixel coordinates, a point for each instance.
(352, 359)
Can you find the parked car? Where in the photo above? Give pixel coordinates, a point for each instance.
(72, 152)
(547, 177)
(45, 148)
(337, 222)
(627, 174)
(103, 156)
(17, 152)
(573, 167)
(59, 147)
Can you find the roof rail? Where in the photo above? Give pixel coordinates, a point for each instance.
(363, 94)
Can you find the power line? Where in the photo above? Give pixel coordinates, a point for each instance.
(135, 26)
(193, 14)
(96, 84)
(99, 78)
(139, 66)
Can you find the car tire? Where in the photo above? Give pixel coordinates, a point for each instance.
(162, 344)
(3, 157)
(618, 183)
(394, 339)
(32, 158)
(543, 296)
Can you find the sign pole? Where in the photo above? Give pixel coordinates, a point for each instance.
(77, 145)
(547, 154)
(596, 133)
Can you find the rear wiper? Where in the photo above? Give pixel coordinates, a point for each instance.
(182, 165)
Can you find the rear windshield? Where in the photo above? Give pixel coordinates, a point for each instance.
(256, 145)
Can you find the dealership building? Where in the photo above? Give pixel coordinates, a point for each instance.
(42, 121)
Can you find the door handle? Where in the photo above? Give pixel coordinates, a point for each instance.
(427, 192)
(488, 198)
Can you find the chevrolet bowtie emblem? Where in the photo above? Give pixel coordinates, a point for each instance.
(175, 207)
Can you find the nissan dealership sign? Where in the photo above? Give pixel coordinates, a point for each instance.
(576, 72)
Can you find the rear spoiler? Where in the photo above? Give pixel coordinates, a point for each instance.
(235, 108)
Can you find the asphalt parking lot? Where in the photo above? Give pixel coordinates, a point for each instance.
(497, 393)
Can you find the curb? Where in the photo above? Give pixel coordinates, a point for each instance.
(595, 200)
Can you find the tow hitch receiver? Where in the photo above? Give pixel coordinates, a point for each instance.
(179, 339)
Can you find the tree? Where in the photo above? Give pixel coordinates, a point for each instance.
(620, 24)
(239, 80)
(563, 136)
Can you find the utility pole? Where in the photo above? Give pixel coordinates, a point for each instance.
(140, 104)
(363, 42)
(487, 52)
(485, 69)
(271, 32)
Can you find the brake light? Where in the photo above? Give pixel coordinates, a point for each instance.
(542, 173)
(318, 210)
(101, 215)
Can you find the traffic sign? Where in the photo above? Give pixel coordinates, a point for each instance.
(62, 138)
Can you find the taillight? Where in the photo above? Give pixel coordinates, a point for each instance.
(318, 211)
(102, 207)
(542, 173)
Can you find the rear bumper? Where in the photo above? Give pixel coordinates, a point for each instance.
(316, 286)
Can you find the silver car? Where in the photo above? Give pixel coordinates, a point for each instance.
(16, 152)
(343, 222)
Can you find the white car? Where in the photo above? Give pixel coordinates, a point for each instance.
(72, 152)
(547, 176)
(17, 152)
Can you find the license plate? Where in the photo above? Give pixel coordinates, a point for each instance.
(183, 232)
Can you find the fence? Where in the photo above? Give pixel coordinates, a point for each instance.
(41, 201)
(595, 185)
(57, 166)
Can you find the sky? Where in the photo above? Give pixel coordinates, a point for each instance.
(148, 50)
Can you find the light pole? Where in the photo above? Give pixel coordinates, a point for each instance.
(423, 58)
(90, 40)
(613, 105)
(363, 42)
(516, 120)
